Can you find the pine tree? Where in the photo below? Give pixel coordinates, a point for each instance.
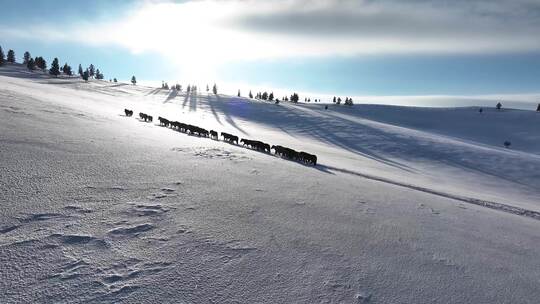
(133, 80)
(55, 68)
(40, 63)
(80, 70)
(91, 70)
(11, 56)
(207, 89)
(67, 70)
(99, 75)
(214, 89)
(295, 98)
(31, 64)
(86, 75)
(115, 80)
(538, 109)
(334, 100)
(250, 94)
(27, 57)
(498, 106)
(2, 56)
(264, 96)
(271, 96)
(239, 93)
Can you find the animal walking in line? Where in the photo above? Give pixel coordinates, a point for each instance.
(163, 121)
(294, 155)
(145, 117)
(308, 158)
(229, 138)
(257, 145)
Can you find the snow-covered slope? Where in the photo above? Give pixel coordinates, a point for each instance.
(407, 205)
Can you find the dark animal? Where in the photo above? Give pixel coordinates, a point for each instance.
(129, 113)
(229, 137)
(203, 132)
(294, 155)
(214, 134)
(279, 150)
(308, 158)
(255, 144)
(145, 117)
(163, 121)
(194, 130)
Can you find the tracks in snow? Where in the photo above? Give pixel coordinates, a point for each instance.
(469, 200)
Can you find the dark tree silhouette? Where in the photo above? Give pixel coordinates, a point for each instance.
(55, 68)
(2, 56)
(538, 109)
(271, 96)
(11, 56)
(214, 89)
(115, 80)
(133, 80)
(295, 98)
(250, 94)
(264, 96)
(91, 70)
(31, 64)
(498, 106)
(80, 70)
(239, 93)
(27, 57)
(41, 63)
(99, 75)
(334, 100)
(86, 75)
(67, 70)
(207, 89)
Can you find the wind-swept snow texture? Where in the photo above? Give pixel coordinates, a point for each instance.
(406, 205)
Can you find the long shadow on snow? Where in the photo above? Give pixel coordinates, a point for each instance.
(372, 142)
(186, 100)
(228, 117)
(153, 92)
(192, 102)
(171, 96)
(213, 110)
(294, 123)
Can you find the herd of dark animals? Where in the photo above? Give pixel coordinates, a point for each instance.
(260, 146)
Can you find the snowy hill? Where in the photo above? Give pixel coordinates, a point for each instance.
(406, 205)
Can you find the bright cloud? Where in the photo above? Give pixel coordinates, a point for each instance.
(201, 34)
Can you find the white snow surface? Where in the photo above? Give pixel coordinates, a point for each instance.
(406, 205)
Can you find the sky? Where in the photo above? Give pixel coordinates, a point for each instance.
(332, 47)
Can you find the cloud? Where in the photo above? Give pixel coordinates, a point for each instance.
(200, 34)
